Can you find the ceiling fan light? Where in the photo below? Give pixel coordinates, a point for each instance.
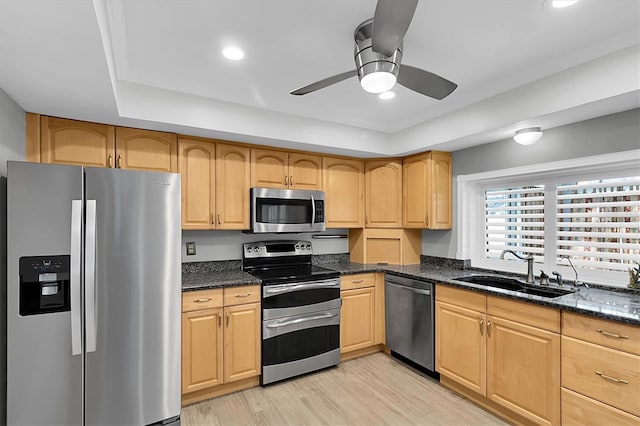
(528, 136)
(378, 82)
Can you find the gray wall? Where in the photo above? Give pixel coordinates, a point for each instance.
(602, 135)
(12, 122)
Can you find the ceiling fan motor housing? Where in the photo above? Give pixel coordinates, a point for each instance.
(368, 61)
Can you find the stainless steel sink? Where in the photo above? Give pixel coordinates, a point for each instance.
(514, 284)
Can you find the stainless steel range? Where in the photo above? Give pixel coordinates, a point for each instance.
(300, 309)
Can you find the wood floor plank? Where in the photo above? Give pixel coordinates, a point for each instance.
(373, 390)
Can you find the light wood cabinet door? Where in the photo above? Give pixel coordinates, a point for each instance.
(427, 191)
(440, 214)
(305, 171)
(344, 188)
(523, 370)
(197, 169)
(202, 349)
(233, 167)
(76, 142)
(146, 150)
(242, 342)
(461, 346)
(357, 324)
(269, 169)
(383, 194)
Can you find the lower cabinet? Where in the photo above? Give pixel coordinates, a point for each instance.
(220, 341)
(362, 314)
(501, 353)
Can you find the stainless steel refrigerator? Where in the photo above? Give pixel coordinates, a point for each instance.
(93, 296)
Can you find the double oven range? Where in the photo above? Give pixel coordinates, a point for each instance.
(300, 309)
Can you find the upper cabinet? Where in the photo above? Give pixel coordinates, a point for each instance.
(233, 171)
(383, 194)
(81, 143)
(215, 185)
(197, 167)
(427, 191)
(305, 171)
(75, 142)
(283, 170)
(344, 187)
(146, 150)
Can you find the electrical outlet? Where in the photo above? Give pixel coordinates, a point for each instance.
(191, 248)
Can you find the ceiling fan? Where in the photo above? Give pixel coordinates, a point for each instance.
(378, 53)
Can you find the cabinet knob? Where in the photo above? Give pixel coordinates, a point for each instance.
(612, 379)
(119, 161)
(110, 161)
(219, 320)
(290, 180)
(614, 335)
(426, 220)
(228, 315)
(489, 328)
(219, 221)
(286, 181)
(481, 327)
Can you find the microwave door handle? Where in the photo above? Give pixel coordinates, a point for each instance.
(313, 211)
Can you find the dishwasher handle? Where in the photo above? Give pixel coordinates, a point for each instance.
(411, 289)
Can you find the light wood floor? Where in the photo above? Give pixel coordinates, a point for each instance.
(375, 389)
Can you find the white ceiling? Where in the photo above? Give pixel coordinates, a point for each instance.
(157, 64)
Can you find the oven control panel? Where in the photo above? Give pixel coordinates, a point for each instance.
(276, 248)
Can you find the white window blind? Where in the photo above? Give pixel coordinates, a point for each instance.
(598, 222)
(514, 220)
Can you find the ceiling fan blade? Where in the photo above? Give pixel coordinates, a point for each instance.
(425, 82)
(323, 83)
(390, 24)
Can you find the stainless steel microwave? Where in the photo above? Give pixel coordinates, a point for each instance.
(286, 210)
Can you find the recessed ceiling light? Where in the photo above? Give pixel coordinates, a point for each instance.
(563, 3)
(387, 95)
(233, 53)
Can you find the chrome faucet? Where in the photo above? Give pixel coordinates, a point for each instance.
(529, 260)
(576, 282)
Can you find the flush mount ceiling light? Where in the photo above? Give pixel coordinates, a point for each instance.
(233, 53)
(387, 95)
(528, 136)
(563, 3)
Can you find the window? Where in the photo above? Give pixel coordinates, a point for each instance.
(598, 222)
(586, 209)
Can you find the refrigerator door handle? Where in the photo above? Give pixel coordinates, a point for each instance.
(90, 277)
(76, 258)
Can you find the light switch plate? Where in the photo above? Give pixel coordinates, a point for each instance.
(191, 248)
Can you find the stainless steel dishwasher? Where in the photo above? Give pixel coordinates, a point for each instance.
(409, 319)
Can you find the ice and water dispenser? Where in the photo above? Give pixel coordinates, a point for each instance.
(44, 284)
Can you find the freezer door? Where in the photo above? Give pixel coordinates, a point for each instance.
(133, 375)
(44, 379)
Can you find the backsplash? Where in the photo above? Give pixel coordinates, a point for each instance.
(318, 259)
(212, 266)
(445, 262)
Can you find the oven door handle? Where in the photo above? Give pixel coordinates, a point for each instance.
(299, 320)
(293, 287)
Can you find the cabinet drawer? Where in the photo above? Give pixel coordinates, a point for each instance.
(611, 334)
(201, 299)
(580, 410)
(605, 374)
(351, 282)
(241, 295)
(463, 298)
(526, 313)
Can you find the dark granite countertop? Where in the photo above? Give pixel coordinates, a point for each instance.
(597, 302)
(202, 280)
